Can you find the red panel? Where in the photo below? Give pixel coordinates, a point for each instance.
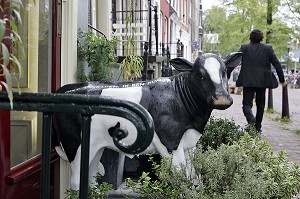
(56, 48)
(4, 126)
(165, 10)
(24, 180)
(27, 169)
(4, 150)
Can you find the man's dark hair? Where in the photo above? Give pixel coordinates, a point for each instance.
(256, 36)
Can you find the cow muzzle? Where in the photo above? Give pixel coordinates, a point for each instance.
(221, 102)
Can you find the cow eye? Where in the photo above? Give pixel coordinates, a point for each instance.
(200, 75)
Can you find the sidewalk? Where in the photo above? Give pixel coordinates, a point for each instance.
(281, 136)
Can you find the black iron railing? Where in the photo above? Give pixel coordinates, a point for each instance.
(87, 106)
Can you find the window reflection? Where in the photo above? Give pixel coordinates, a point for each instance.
(26, 127)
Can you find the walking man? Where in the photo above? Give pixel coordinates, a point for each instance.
(256, 75)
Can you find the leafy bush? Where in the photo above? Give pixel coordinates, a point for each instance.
(161, 188)
(99, 54)
(223, 131)
(248, 168)
(97, 191)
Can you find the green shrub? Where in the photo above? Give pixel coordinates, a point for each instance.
(97, 191)
(223, 131)
(99, 52)
(248, 168)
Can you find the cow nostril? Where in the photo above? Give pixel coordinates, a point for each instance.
(214, 97)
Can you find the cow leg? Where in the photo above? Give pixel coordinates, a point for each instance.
(190, 167)
(95, 167)
(178, 158)
(182, 155)
(75, 170)
(158, 146)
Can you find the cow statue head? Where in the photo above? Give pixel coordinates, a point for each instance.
(209, 77)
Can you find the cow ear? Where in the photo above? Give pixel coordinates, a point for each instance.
(232, 61)
(181, 64)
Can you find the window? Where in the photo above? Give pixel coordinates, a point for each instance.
(26, 127)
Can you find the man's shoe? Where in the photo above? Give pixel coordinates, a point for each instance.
(259, 133)
(252, 121)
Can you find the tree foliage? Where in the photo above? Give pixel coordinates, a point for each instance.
(290, 13)
(234, 20)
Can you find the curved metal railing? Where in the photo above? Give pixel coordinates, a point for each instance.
(86, 105)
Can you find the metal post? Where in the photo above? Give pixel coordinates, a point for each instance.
(269, 22)
(168, 54)
(178, 48)
(150, 26)
(285, 100)
(285, 103)
(156, 29)
(163, 68)
(270, 99)
(46, 150)
(181, 48)
(168, 64)
(114, 13)
(145, 70)
(287, 60)
(85, 152)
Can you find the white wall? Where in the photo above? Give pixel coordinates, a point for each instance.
(69, 42)
(103, 17)
(68, 69)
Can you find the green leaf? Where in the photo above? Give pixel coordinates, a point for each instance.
(13, 26)
(7, 76)
(19, 2)
(17, 14)
(9, 92)
(20, 68)
(8, 84)
(5, 54)
(15, 33)
(2, 29)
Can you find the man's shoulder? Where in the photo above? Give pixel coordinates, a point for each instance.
(261, 45)
(267, 45)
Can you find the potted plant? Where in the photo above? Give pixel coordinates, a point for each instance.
(131, 66)
(99, 53)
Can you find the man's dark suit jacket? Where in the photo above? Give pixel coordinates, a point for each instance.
(256, 66)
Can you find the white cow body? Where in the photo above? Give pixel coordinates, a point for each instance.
(100, 141)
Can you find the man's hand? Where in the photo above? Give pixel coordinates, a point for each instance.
(283, 84)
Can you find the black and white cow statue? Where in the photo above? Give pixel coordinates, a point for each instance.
(179, 105)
